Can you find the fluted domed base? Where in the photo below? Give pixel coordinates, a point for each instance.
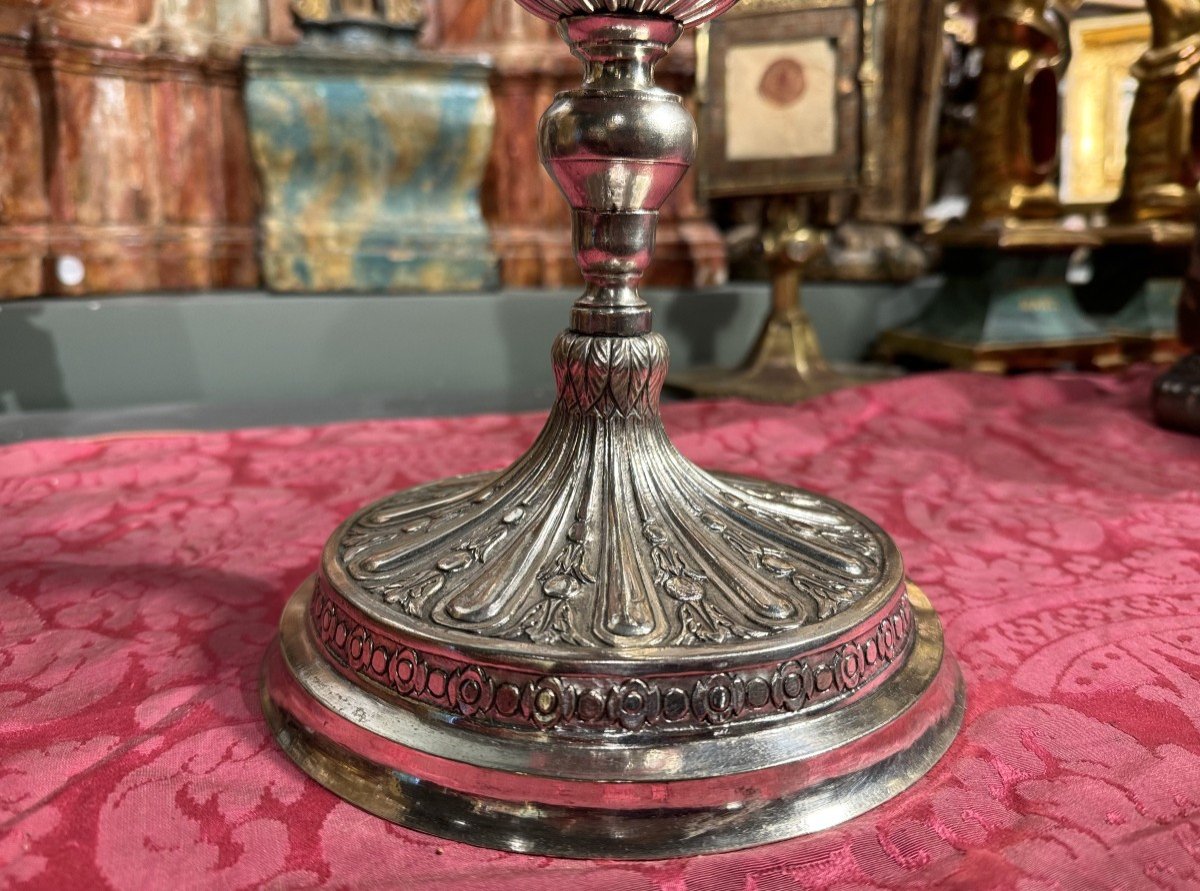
(605, 651)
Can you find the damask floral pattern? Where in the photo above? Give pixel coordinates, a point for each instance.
(1056, 530)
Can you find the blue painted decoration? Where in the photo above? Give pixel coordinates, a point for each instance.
(371, 165)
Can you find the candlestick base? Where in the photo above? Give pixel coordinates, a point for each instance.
(785, 366)
(606, 651)
(838, 766)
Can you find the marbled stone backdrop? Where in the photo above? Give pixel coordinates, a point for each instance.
(371, 164)
(24, 205)
(125, 163)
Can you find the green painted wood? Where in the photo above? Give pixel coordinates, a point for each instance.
(998, 298)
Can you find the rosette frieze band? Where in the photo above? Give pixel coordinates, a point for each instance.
(674, 703)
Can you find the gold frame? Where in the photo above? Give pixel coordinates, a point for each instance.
(1099, 96)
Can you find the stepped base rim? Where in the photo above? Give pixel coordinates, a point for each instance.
(881, 744)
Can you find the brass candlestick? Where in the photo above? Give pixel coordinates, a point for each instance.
(604, 651)
(786, 363)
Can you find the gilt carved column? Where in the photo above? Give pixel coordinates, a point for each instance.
(1163, 154)
(1005, 303)
(1015, 140)
(1151, 225)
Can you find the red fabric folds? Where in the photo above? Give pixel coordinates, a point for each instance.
(1054, 527)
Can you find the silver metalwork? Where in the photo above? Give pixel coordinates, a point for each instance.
(604, 650)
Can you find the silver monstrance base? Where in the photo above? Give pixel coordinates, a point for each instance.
(605, 651)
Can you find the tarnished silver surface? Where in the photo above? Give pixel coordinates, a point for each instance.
(604, 537)
(604, 650)
(613, 798)
(616, 147)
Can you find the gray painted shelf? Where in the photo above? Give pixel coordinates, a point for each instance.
(79, 366)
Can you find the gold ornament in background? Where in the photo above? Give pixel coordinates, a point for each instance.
(404, 12)
(1015, 141)
(1163, 153)
(1098, 93)
(359, 9)
(1152, 221)
(312, 10)
(786, 364)
(1005, 302)
(848, 89)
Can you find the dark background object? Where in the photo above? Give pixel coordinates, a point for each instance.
(1177, 393)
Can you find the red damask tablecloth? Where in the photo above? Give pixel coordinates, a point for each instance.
(1056, 529)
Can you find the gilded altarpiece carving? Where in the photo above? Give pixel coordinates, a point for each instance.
(1163, 166)
(1006, 302)
(1150, 225)
(1098, 95)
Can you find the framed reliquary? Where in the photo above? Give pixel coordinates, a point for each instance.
(781, 105)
